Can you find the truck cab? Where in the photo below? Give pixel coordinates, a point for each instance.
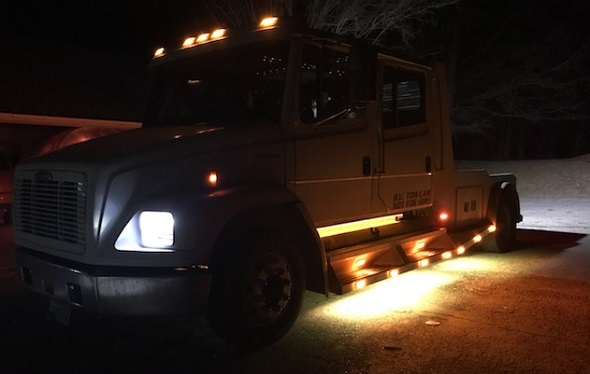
(271, 160)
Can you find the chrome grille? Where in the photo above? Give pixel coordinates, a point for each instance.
(52, 207)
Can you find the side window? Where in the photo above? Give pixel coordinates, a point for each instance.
(324, 86)
(402, 98)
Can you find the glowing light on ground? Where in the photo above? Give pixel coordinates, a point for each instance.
(467, 264)
(403, 292)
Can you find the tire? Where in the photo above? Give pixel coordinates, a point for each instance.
(257, 292)
(504, 238)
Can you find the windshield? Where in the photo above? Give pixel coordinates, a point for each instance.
(235, 86)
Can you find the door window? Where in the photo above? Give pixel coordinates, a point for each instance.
(324, 86)
(402, 98)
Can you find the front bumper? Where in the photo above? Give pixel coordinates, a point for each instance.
(114, 290)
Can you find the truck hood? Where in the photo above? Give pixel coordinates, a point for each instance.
(162, 142)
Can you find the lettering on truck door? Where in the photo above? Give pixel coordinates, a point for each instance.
(403, 180)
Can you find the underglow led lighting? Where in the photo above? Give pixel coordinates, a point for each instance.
(492, 228)
(269, 22)
(460, 250)
(347, 227)
(447, 255)
(420, 245)
(384, 299)
(423, 262)
(477, 238)
(393, 273)
(360, 262)
(360, 284)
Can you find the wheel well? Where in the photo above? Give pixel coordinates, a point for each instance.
(286, 220)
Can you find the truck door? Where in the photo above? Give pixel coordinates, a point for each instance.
(333, 143)
(403, 173)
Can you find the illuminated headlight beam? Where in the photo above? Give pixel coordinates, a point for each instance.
(157, 229)
(148, 231)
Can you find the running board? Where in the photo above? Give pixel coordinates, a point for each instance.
(358, 266)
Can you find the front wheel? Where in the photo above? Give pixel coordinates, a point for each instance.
(257, 291)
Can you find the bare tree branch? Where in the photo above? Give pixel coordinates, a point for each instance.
(375, 19)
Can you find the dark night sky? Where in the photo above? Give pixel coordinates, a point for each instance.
(86, 58)
(137, 25)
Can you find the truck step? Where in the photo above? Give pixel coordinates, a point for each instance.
(356, 267)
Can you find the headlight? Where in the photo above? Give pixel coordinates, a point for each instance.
(157, 229)
(148, 231)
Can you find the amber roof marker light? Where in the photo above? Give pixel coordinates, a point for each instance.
(268, 22)
(159, 52)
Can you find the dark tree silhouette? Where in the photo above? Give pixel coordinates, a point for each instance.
(524, 82)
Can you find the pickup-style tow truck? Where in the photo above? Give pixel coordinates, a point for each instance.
(272, 159)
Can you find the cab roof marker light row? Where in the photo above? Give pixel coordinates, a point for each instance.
(205, 37)
(217, 34)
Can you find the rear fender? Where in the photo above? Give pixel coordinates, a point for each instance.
(505, 189)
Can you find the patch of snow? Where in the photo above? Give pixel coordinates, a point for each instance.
(563, 178)
(554, 194)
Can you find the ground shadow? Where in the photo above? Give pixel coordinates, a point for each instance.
(555, 240)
